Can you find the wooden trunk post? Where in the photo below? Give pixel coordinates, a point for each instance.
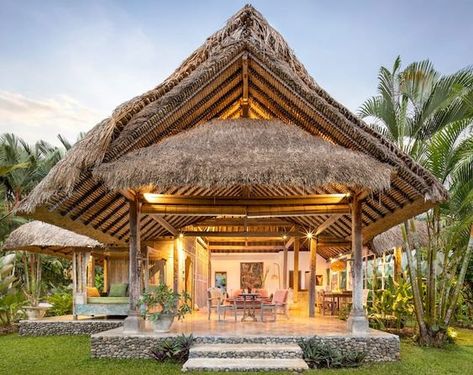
(313, 264)
(74, 284)
(134, 322)
(284, 269)
(357, 321)
(397, 263)
(145, 254)
(105, 275)
(91, 271)
(295, 275)
(175, 266)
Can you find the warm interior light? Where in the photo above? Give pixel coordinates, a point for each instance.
(152, 198)
(309, 235)
(181, 235)
(284, 237)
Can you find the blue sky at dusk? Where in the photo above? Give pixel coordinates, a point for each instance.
(65, 65)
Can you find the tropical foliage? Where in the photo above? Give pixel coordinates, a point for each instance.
(162, 300)
(429, 116)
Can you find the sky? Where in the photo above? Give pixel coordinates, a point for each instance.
(65, 65)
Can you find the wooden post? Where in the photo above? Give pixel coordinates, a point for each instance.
(357, 321)
(295, 277)
(83, 272)
(91, 271)
(133, 323)
(175, 266)
(284, 269)
(313, 264)
(105, 274)
(145, 267)
(397, 263)
(74, 284)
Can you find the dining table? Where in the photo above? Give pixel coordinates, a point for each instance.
(335, 298)
(249, 306)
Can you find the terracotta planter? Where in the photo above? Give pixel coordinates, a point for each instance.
(163, 324)
(35, 312)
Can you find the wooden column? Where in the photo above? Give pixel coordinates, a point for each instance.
(145, 267)
(397, 263)
(284, 269)
(134, 323)
(313, 264)
(105, 274)
(74, 284)
(295, 276)
(175, 266)
(357, 321)
(91, 271)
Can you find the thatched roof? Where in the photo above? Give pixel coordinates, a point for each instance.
(223, 153)
(392, 238)
(36, 235)
(207, 85)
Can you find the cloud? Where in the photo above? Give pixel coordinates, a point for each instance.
(44, 118)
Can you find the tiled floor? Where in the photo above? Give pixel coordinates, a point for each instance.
(199, 325)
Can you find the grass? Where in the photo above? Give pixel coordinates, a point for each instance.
(70, 355)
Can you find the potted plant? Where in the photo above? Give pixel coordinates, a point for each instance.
(161, 305)
(32, 287)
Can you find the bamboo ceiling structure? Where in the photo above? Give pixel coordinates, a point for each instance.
(245, 70)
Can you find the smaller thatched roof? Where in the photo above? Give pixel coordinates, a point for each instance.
(36, 236)
(224, 153)
(393, 238)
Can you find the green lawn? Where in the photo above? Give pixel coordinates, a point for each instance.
(70, 355)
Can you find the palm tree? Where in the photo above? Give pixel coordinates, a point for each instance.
(429, 116)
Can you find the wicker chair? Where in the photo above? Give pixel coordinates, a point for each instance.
(216, 300)
(277, 306)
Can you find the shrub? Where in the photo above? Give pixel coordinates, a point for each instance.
(173, 349)
(321, 355)
(61, 302)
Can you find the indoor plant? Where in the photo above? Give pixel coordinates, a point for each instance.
(161, 305)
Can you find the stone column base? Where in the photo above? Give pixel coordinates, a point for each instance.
(133, 324)
(358, 323)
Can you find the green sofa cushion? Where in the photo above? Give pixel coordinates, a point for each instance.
(106, 300)
(118, 290)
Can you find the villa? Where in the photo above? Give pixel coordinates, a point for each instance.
(238, 172)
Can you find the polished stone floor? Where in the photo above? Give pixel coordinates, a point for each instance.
(298, 325)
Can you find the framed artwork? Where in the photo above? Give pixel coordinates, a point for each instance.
(319, 280)
(251, 275)
(221, 280)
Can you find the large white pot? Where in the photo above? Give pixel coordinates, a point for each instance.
(163, 324)
(35, 312)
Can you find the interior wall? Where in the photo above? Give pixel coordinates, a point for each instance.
(230, 263)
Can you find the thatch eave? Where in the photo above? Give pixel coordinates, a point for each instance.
(225, 153)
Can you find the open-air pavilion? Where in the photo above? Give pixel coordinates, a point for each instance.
(239, 151)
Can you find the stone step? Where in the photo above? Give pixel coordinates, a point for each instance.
(246, 351)
(244, 364)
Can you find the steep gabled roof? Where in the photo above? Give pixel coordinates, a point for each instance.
(247, 62)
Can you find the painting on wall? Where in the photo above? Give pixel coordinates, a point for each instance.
(319, 280)
(251, 275)
(221, 280)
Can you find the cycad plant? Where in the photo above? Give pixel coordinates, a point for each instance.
(429, 116)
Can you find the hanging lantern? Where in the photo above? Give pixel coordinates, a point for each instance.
(338, 266)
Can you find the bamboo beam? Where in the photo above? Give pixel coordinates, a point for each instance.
(247, 247)
(315, 199)
(326, 224)
(250, 211)
(165, 224)
(240, 222)
(245, 105)
(313, 267)
(266, 235)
